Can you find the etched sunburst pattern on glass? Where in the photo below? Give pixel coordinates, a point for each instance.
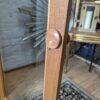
(38, 25)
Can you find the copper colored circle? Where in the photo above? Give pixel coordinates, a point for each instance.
(53, 39)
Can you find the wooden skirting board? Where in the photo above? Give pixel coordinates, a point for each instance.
(87, 61)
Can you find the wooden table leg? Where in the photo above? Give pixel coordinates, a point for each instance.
(92, 58)
(67, 57)
(2, 86)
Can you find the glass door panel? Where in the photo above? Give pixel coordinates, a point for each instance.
(23, 25)
(23, 45)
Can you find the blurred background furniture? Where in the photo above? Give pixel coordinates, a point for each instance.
(85, 37)
(2, 87)
(85, 31)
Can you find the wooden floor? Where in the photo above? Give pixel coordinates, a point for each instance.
(23, 83)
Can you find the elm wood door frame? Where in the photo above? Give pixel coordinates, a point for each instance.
(3, 95)
(58, 21)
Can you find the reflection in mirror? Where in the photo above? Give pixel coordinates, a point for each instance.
(22, 28)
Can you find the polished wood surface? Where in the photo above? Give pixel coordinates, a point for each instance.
(2, 85)
(58, 19)
(86, 37)
(53, 39)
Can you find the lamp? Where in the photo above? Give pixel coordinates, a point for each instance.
(90, 13)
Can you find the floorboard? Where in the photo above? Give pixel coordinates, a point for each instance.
(23, 83)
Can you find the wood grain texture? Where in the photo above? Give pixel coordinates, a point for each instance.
(76, 12)
(58, 19)
(2, 85)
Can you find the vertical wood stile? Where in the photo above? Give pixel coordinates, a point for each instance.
(2, 86)
(58, 19)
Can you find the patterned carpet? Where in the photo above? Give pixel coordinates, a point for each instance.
(69, 91)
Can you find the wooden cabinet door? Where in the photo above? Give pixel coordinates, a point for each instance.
(56, 39)
(2, 87)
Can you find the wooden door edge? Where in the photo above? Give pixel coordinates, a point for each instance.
(6, 98)
(58, 20)
(3, 95)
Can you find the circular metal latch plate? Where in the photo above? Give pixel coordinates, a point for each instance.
(53, 39)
